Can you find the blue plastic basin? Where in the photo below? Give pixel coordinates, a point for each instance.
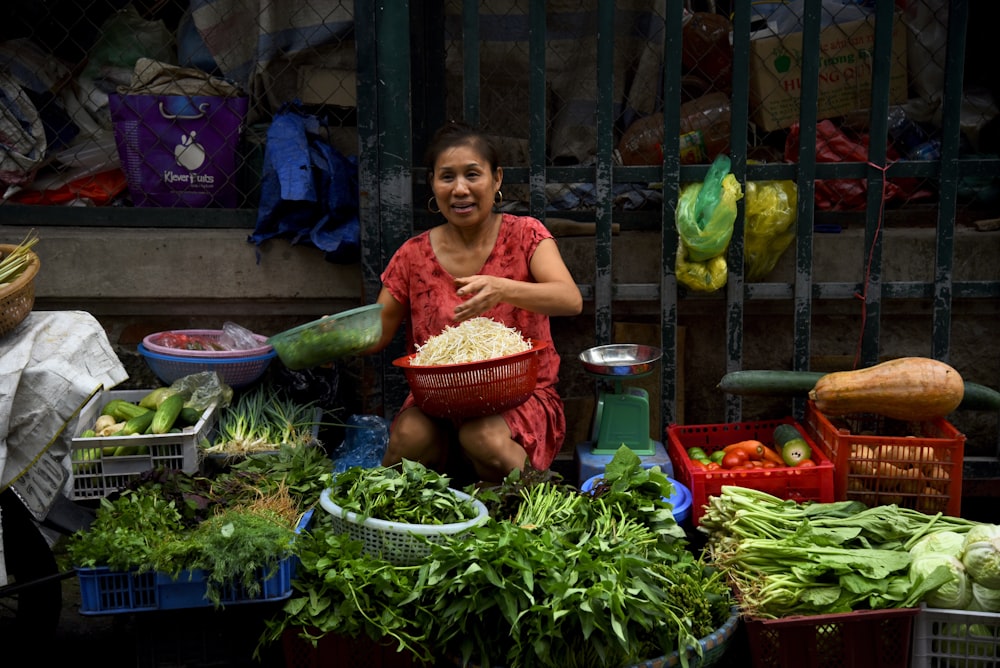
(680, 499)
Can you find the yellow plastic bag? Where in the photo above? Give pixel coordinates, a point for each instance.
(770, 225)
(706, 276)
(706, 212)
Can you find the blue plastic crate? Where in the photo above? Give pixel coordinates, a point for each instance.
(104, 591)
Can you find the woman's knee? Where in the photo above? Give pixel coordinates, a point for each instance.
(415, 436)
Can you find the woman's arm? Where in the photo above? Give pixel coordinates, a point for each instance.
(392, 315)
(554, 291)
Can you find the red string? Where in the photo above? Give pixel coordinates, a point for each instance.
(868, 267)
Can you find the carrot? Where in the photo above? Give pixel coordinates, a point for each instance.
(752, 448)
(769, 455)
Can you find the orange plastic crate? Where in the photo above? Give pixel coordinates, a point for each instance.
(799, 484)
(881, 461)
(860, 639)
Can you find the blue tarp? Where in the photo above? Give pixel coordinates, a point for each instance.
(309, 190)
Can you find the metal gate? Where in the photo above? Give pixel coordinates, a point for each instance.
(409, 97)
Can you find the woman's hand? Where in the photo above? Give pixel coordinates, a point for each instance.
(481, 293)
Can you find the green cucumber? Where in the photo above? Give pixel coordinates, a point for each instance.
(138, 424)
(189, 416)
(122, 411)
(784, 433)
(775, 383)
(166, 414)
(155, 397)
(769, 383)
(979, 398)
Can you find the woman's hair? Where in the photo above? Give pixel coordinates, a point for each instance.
(458, 133)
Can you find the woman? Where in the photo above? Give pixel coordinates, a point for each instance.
(478, 262)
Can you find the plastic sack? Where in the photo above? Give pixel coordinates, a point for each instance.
(704, 276)
(769, 227)
(836, 145)
(706, 212)
(202, 389)
(237, 337)
(365, 441)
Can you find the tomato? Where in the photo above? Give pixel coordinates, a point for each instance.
(699, 465)
(733, 459)
(805, 463)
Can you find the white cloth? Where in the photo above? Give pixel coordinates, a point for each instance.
(50, 365)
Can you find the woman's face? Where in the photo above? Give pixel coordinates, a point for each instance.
(464, 186)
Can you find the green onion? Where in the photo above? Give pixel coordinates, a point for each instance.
(17, 260)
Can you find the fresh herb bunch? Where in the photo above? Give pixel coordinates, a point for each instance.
(409, 493)
(304, 471)
(235, 526)
(126, 532)
(562, 579)
(348, 592)
(263, 419)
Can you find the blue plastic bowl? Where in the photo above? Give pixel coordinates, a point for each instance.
(680, 499)
(234, 371)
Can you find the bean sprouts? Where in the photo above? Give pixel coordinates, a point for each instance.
(474, 340)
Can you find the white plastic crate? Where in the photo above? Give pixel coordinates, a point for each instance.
(955, 639)
(95, 475)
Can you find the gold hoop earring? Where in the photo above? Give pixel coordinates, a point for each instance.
(498, 198)
(430, 203)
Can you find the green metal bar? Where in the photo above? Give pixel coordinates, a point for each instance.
(470, 51)
(739, 116)
(958, 13)
(537, 116)
(394, 146)
(603, 172)
(670, 175)
(806, 193)
(372, 259)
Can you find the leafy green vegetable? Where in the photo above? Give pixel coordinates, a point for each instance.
(409, 494)
(820, 558)
(554, 578)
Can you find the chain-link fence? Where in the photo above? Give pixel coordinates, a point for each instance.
(164, 102)
(81, 84)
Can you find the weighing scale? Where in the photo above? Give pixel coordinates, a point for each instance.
(622, 416)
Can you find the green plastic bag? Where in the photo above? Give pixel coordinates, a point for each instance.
(706, 212)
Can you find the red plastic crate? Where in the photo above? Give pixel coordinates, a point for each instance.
(860, 639)
(800, 484)
(880, 461)
(334, 649)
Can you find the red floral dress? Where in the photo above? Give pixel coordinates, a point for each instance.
(416, 279)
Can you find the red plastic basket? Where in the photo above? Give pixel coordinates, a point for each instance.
(799, 484)
(334, 649)
(911, 464)
(860, 639)
(474, 389)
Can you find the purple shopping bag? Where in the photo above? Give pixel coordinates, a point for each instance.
(177, 150)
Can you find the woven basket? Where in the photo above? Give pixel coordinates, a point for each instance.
(18, 298)
(399, 544)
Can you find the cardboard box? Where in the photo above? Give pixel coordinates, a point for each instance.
(845, 73)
